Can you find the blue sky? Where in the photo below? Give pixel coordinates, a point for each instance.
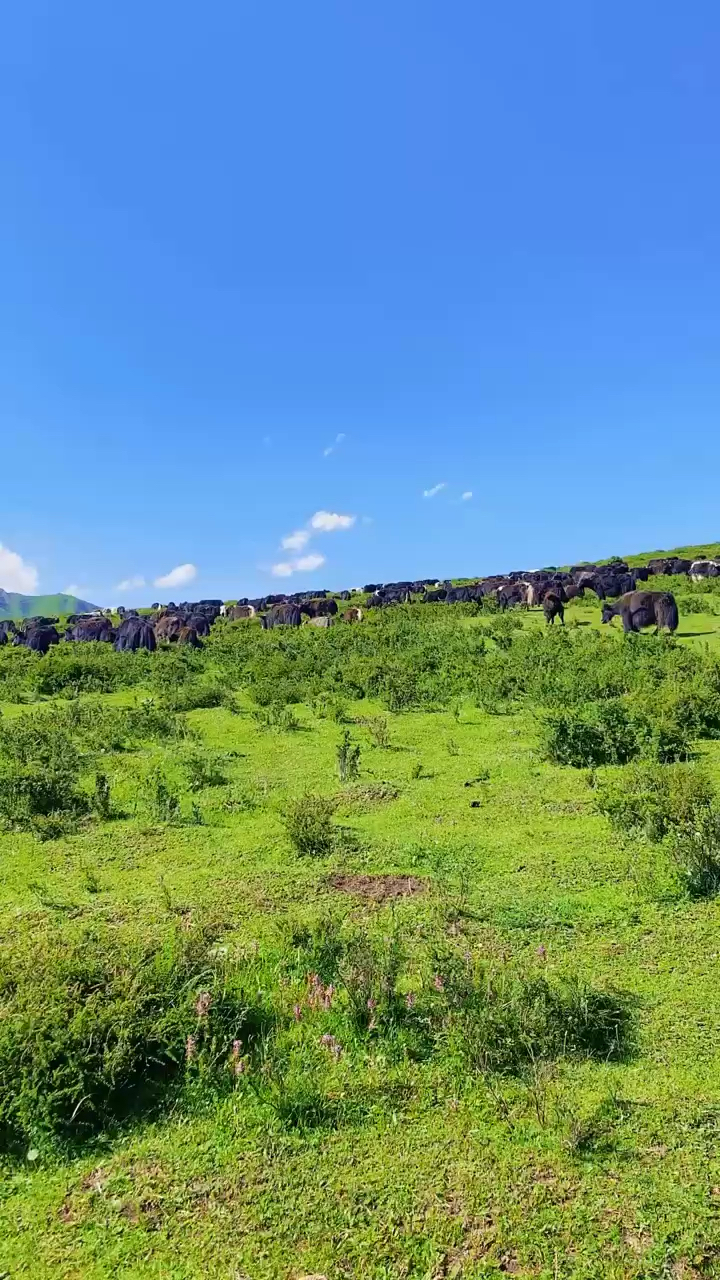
(265, 261)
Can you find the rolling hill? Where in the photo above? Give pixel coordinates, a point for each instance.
(14, 605)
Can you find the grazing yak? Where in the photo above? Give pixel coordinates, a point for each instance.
(169, 627)
(39, 639)
(133, 634)
(239, 612)
(353, 615)
(701, 569)
(644, 609)
(281, 615)
(189, 636)
(86, 629)
(553, 607)
(319, 607)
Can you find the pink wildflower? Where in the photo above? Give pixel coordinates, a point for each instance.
(329, 1042)
(542, 953)
(410, 1000)
(237, 1048)
(202, 1004)
(297, 1012)
(190, 1048)
(438, 983)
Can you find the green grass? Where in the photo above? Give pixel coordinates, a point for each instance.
(398, 1165)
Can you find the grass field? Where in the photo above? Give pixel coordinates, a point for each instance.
(456, 1106)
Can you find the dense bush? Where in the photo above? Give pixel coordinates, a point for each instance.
(92, 667)
(655, 799)
(602, 733)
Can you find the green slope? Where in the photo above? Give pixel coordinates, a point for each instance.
(14, 605)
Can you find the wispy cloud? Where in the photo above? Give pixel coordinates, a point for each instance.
(335, 444)
(303, 564)
(296, 541)
(329, 521)
(467, 495)
(74, 589)
(430, 493)
(131, 584)
(306, 564)
(15, 573)
(178, 577)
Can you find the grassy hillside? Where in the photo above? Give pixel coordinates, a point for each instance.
(455, 1014)
(14, 605)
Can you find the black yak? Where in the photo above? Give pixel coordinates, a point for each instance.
(644, 609)
(553, 608)
(282, 615)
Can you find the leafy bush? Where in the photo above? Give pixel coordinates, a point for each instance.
(92, 667)
(309, 825)
(35, 791)
(656, 799)
(697, 855)
(601, 733)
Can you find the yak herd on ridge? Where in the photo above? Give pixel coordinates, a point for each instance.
(186, 624)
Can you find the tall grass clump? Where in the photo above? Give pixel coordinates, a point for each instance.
(99, 1024)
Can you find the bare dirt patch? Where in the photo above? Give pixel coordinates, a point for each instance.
(377, 888)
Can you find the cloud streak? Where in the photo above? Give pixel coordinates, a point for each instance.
(467, 495)
(431, 493)
(131, 584)
(178, 577)
(15, 573)
(296, 541)
(303, 564)
(335, 445)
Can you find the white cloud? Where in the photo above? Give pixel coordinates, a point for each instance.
(332, 447)
(306, 564)
(328, 521)
(296, 541)
(178, 577)
(75, 590)
(467, 495)
(430, 493)
(131, 584)
(15, 574)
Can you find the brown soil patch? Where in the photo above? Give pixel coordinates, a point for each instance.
(377, 888)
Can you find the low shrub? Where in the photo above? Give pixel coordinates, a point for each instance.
(655, 799)
(697, 855)
(348, 758)
(203, 768)
(162, 797)
(309, 825)
(601, 733)
(275, 716)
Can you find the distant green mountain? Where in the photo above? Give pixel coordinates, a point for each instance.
(13, 605)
